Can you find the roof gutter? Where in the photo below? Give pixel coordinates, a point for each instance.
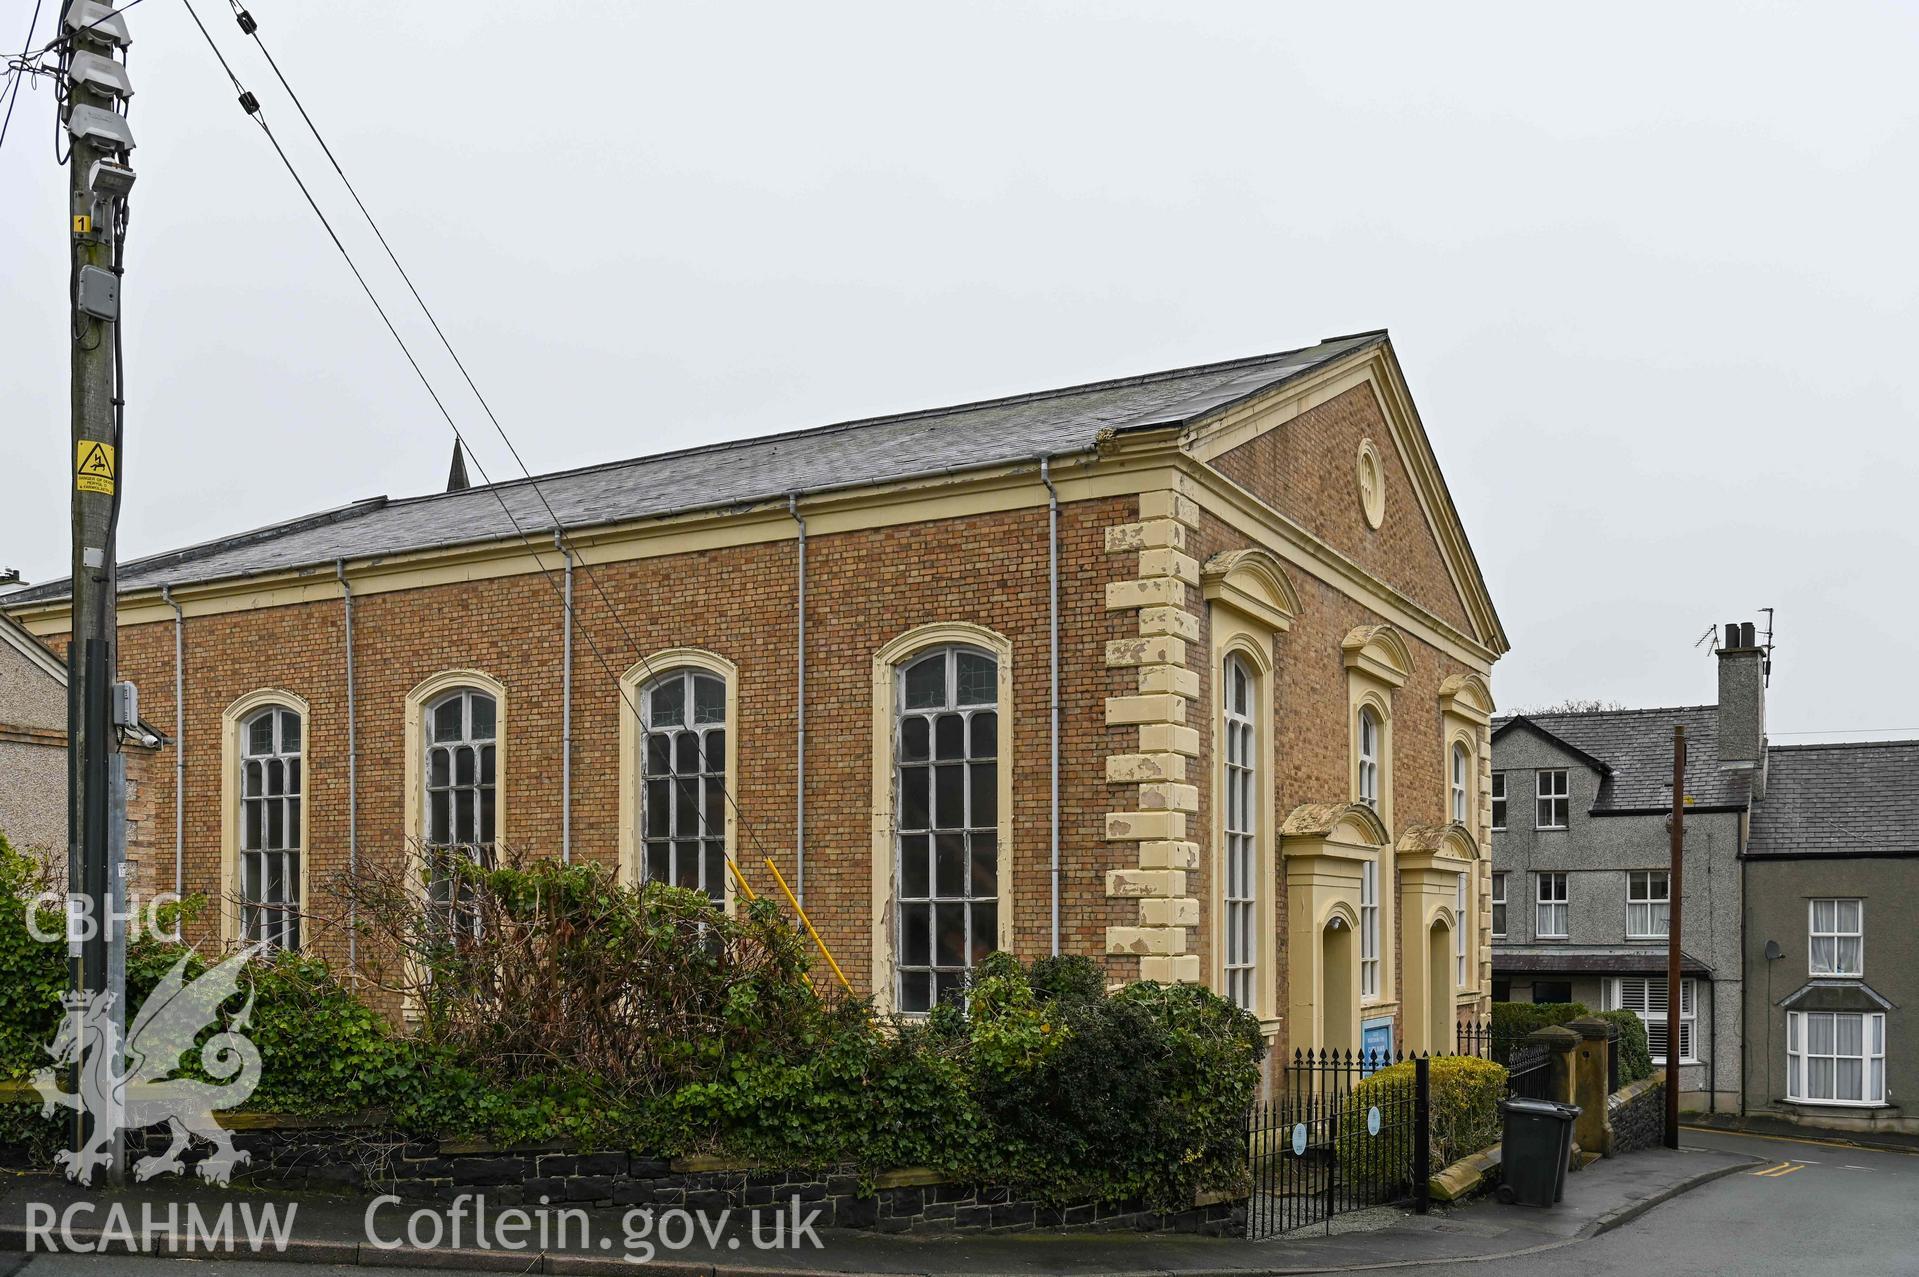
(13, 603)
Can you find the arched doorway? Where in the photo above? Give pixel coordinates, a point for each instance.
(1340, 981)
(1439, 988)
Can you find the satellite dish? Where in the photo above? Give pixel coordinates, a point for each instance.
(1774, 951)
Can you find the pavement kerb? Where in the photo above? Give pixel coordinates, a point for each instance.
(1627, 1214)
(1604, 1224)
(13, 1238)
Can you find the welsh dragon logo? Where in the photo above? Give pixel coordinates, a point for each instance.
(132, 1089)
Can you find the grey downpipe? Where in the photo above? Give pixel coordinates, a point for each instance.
(352, 777)
(179, 741)
(566, 706)
(799, 747)
(1052, 654)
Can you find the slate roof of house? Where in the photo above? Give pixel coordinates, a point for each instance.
(1636, 745)
(873, 450)
(1590, 959)
(1854, 798)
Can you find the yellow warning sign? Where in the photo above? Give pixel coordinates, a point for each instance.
(93, 467)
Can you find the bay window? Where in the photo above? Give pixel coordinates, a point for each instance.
(1645, 996)
(1836, 1057)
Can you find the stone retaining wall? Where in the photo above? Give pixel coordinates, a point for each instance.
(1638, 1114)
(290, 1153)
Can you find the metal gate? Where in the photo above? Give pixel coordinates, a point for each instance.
(1334, 1139)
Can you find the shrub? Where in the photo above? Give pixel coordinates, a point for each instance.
(1465, 1112)
(1635, 1056)
(1512, 1021)
(33, 973)
(1141, 1093)
(559, 1004)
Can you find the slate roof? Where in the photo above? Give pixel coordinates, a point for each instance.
(1636, 744)
(1849, 799)
(1590, 959)
(850, 454)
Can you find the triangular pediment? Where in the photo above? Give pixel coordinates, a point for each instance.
(1367, 393)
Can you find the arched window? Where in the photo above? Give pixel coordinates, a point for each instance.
(1369, 930)
(1241, 835)
(271, 790)
(460, 780)
(1459, 783)
(1369, 758)
(946, 782)
(1462, 910)
(683, 774)
(461, 789)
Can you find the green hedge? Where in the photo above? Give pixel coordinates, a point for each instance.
(1465, 1112)
(1512, 1021)
(1635, 1056)
(1044, 1081)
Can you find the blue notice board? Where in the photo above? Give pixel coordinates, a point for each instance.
(1375, 1044)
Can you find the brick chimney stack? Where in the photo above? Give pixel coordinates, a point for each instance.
(1742, 704)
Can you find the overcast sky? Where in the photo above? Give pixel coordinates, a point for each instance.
(1650, 269)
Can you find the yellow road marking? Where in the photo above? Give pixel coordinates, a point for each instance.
(1784, 1168)
(1797, 1139)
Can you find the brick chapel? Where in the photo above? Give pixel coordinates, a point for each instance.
(1187, 672)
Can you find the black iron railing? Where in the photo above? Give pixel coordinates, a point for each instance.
(1527, 1063)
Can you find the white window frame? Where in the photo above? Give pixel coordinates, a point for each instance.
(272, 789)
(982, 925)
(1462, 912)
(1648, 915)
(1559, 905)
(667, 786)
(1801, 1059)
(1840, 938)
(1369, 757)
(1499, 801)
(1623, 992)
(483, 793)
(1240, 826)
(1460, 788)
(1369, 931)
(1499, 906)
(1554, 794)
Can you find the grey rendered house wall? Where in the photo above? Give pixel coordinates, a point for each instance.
(33, 775)
(1776, 909)
(1596, 852)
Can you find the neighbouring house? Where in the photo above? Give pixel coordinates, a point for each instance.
(1269, 647)
(1831, 953)
(1581, 855)
(33, 755)
(33, 744)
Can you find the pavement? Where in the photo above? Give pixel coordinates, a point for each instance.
(333, 1233)
(1810, 1207)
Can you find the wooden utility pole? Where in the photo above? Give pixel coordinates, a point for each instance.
(99, 179)
(1676, 895)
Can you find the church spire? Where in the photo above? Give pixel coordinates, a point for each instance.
(456, 480)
